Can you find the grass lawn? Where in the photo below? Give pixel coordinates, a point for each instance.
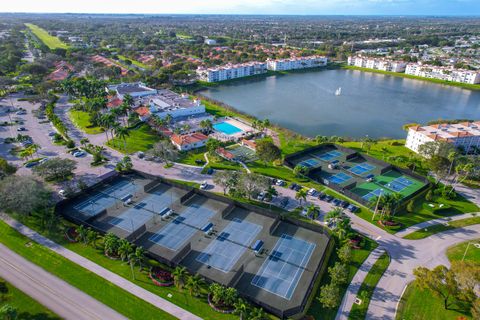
(421, 234)
(50, 41)
(365, 292)
(423, 305)
(189, 157)
(27, 308)
(134, 62)
(97, 287)
(456, 252)
(81, 120)
(141, 138)
(291, 142)
(358, 256)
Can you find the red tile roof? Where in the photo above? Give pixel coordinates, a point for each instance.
(226, 154)
(185, 139)
(142, 111)
(115, 102)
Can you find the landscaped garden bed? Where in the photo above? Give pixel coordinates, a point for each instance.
(161, 278)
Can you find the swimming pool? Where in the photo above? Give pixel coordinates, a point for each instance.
(226, 128)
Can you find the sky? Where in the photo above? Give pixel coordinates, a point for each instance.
(301, 7)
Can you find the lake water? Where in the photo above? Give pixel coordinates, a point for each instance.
(370, 104)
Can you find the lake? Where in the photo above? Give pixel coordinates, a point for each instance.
(370, 104)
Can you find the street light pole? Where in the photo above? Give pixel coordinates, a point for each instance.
(376, 206)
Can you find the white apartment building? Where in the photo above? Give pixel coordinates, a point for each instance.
(231, 71)
(377, 63)
(465, 135)
(296, 63)
(443, 73)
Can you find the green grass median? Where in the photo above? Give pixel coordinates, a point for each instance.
(431, 230)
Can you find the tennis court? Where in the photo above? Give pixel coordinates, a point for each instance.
(328, 156)
(309, 163)
(106, 197)
(373, 194)
(183, 227)
(399, 184)
(243, 153)
(223, 252)
(340, 178)
(361, 168)
(143, 211)
(282, 270)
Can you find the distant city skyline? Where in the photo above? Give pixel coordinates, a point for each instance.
(302, 7)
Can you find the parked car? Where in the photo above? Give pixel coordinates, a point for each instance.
(344, 204)
(204, 185)
(21, 129)
(322, 195)
(298, 187)
(199, 161)
(312, 192)
(292, 185)
(273, 181)
(281, 183)
(352, 208)
(328, 198)
(43, 160)
(79, 154)
(140, 155)
(20, 112)
(336, 202)
(62, 192)
(210, 171)
(261, 196)
(51, 133)
(31, 164)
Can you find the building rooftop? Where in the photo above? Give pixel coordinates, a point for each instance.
(166, 100)
(188, 138)
(449, 131)
(131, 88)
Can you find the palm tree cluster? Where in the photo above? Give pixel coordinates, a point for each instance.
(387, 203)
(183, 280)
(260, 125)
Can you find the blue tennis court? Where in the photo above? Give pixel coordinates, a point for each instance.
(183, 227)
(328, 156)
(361, 168)
(282, 270)
(143, 211)
(340, 178)
(223, 252)
(309, 163)
(399, 184)
(373, 194)
(106, 197)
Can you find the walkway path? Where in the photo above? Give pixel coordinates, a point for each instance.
(425, 224)
(352, 290)
(65, 300)
(128, 286)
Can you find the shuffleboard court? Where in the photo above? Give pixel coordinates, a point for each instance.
(223, 252)
(183, 227)
(106, 197)
(309, 163)
(284, 267)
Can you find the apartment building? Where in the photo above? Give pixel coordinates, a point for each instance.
(464, 135)
(296, 63)
(443, 73)
(134, 89)
(231, 71)
(377, 63)
(167, 102)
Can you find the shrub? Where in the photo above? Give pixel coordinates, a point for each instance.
(429, 195)
(410, 206)
(70, 144)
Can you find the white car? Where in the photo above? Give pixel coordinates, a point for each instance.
(79, 154)
(312, 192)
(204, 185)
(280, 183)
(62, 192)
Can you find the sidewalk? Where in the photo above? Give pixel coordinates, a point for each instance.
(102, 272)
(429, 223)
(352, 290)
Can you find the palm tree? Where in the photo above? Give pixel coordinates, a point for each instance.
(140, 255)
(107, 120)
(122, 133)
(84, 142)
(194, 284)
(7, 312)
(92, 237)
(301, 195)
(82, 234)
(312, 212)
(451, 157)
(230, 296)
(241, 308)
(179, 276)
(111, 244)
(258, 314)
(124, 249)
(217, 292)
(132, 260)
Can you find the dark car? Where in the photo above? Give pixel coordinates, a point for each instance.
(298, 187)
(328, 198)
(273, 181)
(352, 208)
(321, 195)
(344, 204)
(209, 171)
(336, 202)
(31, 164)
(199, 161)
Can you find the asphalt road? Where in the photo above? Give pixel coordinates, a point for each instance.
(66, 301)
